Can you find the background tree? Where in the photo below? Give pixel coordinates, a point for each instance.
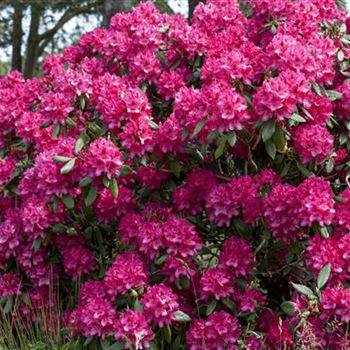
(44, 20)
(30, 29)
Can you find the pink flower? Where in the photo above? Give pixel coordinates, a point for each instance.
(95, 318)
(169, 83)
(278, 331)
(315, 202)
(190, 197)
(55, 107)
(279, 213)
(221, 206)
(231, 256)
(227, 200)
(132, 328)
(103, 157)
(177, 266)
(10, 285)
(127, 271)
(174, 231)
(151, 178)
(278, 96)
(219, 332)
(227, 109)
(312, 143)
(342, 209)
(160, 304)
(7, 166)
(108, 208)
(36, 217)
(334, 251)
(78, 261)
(266, 177)
(250, 300)
(336, 303)
(91, 290)
(216, 282)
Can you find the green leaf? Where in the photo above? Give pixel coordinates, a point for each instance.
(232, 138)
(306, 172)
(289, 307)
(152, 124)
(82, 102)
(210, 308)
(297, 118)
(26, 299)
(343, 138)
(323, 276)
(333, 95)
(56, 131)
(113, 186)
(270, 149)
(68, 201)
(279, 139)
(230, 304)
(125, 170)
(85, 181)
(71, 231)
(221, 147)
(37, 243)
(213, 135)
(79, 145)
(161, 260)
(46, 124)
(340, 55)
(175, 168)
(304, 290)
(117, 346)
(176, 63)
(199, 126)
(70, 122)
(61, 159)
(92, 195)
(166, 332)
(88, 341)
(137, 305)
(185, 282)
(329, 166)
(68, 166)
(161, 57)
(105, 180)
(59, 228)
(324, 232)
(267, 130)
(8, 306)
(317, 89)
(181, 316)
(184, 134)
(164, 29)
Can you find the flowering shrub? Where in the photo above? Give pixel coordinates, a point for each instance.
(183, 186)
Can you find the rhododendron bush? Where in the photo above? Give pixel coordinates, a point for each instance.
(176, 186)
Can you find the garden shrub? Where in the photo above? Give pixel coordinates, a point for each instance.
(176, 186)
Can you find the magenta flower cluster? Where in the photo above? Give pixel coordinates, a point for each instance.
(174, 185)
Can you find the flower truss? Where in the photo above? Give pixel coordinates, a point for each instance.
(184, 186)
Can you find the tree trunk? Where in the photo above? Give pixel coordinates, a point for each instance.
(17, 34)
(191, 6)
(33, 41)
(113, 6)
